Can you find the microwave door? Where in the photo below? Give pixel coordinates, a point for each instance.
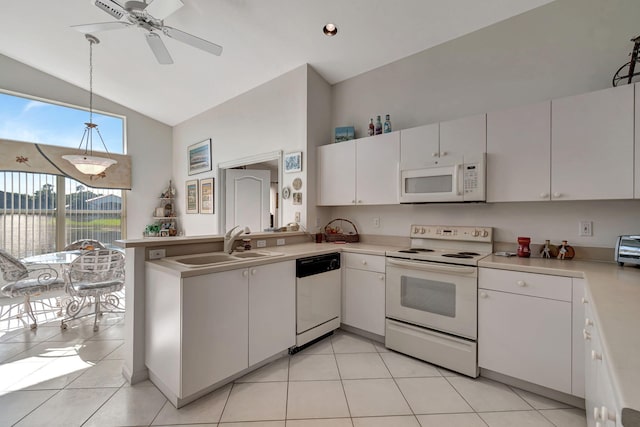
(438, 184)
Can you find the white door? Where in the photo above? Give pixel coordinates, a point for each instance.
(247, 198)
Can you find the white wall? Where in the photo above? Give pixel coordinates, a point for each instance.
(148, 141)
(270, 117)
(563, 48)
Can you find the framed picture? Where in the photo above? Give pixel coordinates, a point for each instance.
(199, 157)
(192, 196)
(345, 133)
(206, 196)
(293, 162)
(297, 198)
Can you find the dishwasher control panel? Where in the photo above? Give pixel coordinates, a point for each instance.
(318, 264)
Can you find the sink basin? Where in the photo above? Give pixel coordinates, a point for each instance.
(220, 257)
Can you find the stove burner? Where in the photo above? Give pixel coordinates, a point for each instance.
(469, 253)
(422, 250)
(408, 251)
(460, 255)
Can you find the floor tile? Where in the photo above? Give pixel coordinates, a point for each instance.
(12, 373)
(403, 421)
(97, 350)
(130, 406)
(330, 422)
(375, 397)
(277, 370)
(207, 409)
(67, 408)
(361, 365)
(106, 373)
(251, 424)
(306, 367)
(256, 402)
(118, 353)
(55, 375)
(539, 402)
(347, 343)
(566, 417)
(405, 366)
(451, 420)
(447, 373)
(486, 396)
(316, 399)
(515, 418)
(30, 335)
(321, 347)
(115, 332)
(432, 395)
(17, 404)
(380, 348)
(216, 425)
(10, 349)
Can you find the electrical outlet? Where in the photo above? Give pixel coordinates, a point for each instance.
(376, 222)
(261, 243)
(157, 253)
(279, 242)
(586, 229)
(297, 217)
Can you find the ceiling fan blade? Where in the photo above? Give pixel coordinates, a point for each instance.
(194, 41)
(111, 7)
(162, 8)
(100, 26)
(159, 49)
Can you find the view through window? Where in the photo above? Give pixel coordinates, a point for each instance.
(42, 213)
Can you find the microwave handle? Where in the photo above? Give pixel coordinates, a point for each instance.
(459, 179)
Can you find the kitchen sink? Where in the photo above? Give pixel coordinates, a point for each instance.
(220, 258)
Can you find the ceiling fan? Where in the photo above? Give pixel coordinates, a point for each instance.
(139, 14)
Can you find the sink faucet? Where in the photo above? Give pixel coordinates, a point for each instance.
(231, 236)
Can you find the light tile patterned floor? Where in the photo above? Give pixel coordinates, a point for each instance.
(50, 377)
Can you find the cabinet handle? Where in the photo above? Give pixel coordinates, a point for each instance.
(353, 201)
(359, 201)
(586, 335)
(443, 153)
(607, 415)
(364, 262)
(381, 277)
(588, 322)
(544, 195)
(434, 154)
(521, 283)
(595, 355)
(557, 195)
(253, 271)
(596, 413)
(484, 295)
(245, 273)
(584, 300)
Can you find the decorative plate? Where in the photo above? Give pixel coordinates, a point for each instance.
(286, 192)
(297, 184)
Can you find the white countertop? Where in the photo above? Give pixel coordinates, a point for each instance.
(615, 300)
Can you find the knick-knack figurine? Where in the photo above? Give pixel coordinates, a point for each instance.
(565, 251)
(548, 250)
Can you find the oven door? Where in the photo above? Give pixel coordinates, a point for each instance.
(441, 183)
(438, 296)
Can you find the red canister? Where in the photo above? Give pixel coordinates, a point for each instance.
(523, 247)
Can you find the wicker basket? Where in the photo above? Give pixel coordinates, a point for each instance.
(349, 237)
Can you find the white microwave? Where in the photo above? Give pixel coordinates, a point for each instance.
(453, 180)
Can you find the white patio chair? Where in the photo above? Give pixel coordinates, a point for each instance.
(95, 274)
(29, 281)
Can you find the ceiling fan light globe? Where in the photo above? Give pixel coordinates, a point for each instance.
(89, 165)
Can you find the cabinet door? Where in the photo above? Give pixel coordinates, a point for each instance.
(272, 310)
(419, 146)
(364, 300)
(592, 145)
(525, 337)
(519, 154)
(463, 136)
(214, 328)
(637, 142)
(377, 173)
(578, 344)
(336, 174)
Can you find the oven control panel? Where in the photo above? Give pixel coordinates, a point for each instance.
(454, 232)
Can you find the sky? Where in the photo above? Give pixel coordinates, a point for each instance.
(29, 120)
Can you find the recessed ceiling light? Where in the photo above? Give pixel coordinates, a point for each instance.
(330, 30)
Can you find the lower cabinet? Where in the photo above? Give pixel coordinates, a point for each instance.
(364, 292)
(201, 330)
(525, 327)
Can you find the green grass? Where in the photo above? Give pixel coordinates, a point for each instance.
(106, 222)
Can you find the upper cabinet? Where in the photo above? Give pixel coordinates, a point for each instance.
(424, 145)
(637, 149)
(519, 154)
(592, 145)
(362, 171)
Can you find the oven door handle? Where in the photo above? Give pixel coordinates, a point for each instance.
(452, 269)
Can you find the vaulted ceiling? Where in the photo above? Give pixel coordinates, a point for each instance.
(262, 39)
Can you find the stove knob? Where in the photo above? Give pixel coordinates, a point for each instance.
(485, 233)
(475, 233)
(422, 230)
(416, 230)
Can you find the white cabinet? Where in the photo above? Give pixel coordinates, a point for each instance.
(423, 145)
(637, 144)
(201, 330)
(363, 171)
(592, 145)
(519, 154)
(524, 327)
(577, 346)
(272, 310)
(364, 292)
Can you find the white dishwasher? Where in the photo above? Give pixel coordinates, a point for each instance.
(318, 293)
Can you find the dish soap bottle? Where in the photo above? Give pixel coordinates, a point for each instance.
(371, 128)
(378, 126)
(387, 124)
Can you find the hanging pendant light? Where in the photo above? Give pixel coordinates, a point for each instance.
(87, 163)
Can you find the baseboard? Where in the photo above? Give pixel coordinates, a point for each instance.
(362, 333)
(134, 378)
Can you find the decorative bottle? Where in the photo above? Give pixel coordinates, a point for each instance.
(387, 124)
(523, 247)
(372, 128)
(378, 126)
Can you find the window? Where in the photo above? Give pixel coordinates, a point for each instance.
(42, 213)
